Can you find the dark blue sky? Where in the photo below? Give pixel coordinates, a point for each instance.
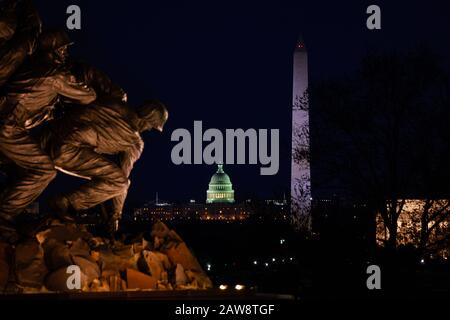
(229, 64)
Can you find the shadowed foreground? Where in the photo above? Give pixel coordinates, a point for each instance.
(159, 261)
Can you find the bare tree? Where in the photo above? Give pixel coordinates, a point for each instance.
(372, 122)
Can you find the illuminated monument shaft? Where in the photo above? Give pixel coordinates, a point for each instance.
(300, 163)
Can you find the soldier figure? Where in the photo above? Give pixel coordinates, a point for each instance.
(107, 91)
(20, 26)
(31, 95)
(80, 142)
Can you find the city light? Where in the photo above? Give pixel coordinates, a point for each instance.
(208, 267)
(255, 262)
(239, 287)
(282, 241)
(273, 259)
(266, 264)
(219, 206)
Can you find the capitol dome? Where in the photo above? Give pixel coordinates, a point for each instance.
(220, 188)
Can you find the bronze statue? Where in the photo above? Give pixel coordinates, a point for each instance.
(36, 80)
(20, 26)
(31, 95)
(80, 141)
(107, 91)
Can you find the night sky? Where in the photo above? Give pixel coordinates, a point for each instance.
(229, 64)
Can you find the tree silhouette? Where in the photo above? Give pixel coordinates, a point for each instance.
(381, 135)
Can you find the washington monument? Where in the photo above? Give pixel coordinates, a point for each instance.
(300, 164)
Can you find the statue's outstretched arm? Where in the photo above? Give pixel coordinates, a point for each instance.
(65, 85)
(8, 21)
(19, 30)
(98, 80)
(128, 158)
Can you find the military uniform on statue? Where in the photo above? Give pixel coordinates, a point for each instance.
(31, 95)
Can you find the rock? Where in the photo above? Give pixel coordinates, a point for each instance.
(105, 265)
(180, 276)
(89, 268)
(43, 236)
(95, 255)
(124, 251)
(109, 272)
(171, 244)
(199, 279)
(96, 242)
(99, 286)
(110, 261)
(5, 258)
(30, 266)
(80, 248)
(157, 243)
(113, 279)
(146, 245)
(56, 222)
(139, 280)
(172, 239)
(63, 233)
(5, 251)
(163, 237)
(180, 254)
(164, 286)
(173, 236)
(35, 290)
(159, 230)
(28, 251)
(133, 261)
(57, 281)
(119, 247)
(57, 255)
(137, 247)
(4, 274)
(32, 275)
(153, 263)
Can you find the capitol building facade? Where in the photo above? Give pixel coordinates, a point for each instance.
(220, 188)
(220, 205)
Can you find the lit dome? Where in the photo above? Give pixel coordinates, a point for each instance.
(220, 188)
(220, 177)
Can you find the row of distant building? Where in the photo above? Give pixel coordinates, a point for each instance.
(220, 205)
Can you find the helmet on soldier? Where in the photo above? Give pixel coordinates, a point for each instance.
(153, 115)
(53, 40)
(55, 43)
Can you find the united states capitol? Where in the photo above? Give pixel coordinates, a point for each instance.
(220, 205)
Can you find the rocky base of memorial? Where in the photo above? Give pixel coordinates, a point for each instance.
(43, 264)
